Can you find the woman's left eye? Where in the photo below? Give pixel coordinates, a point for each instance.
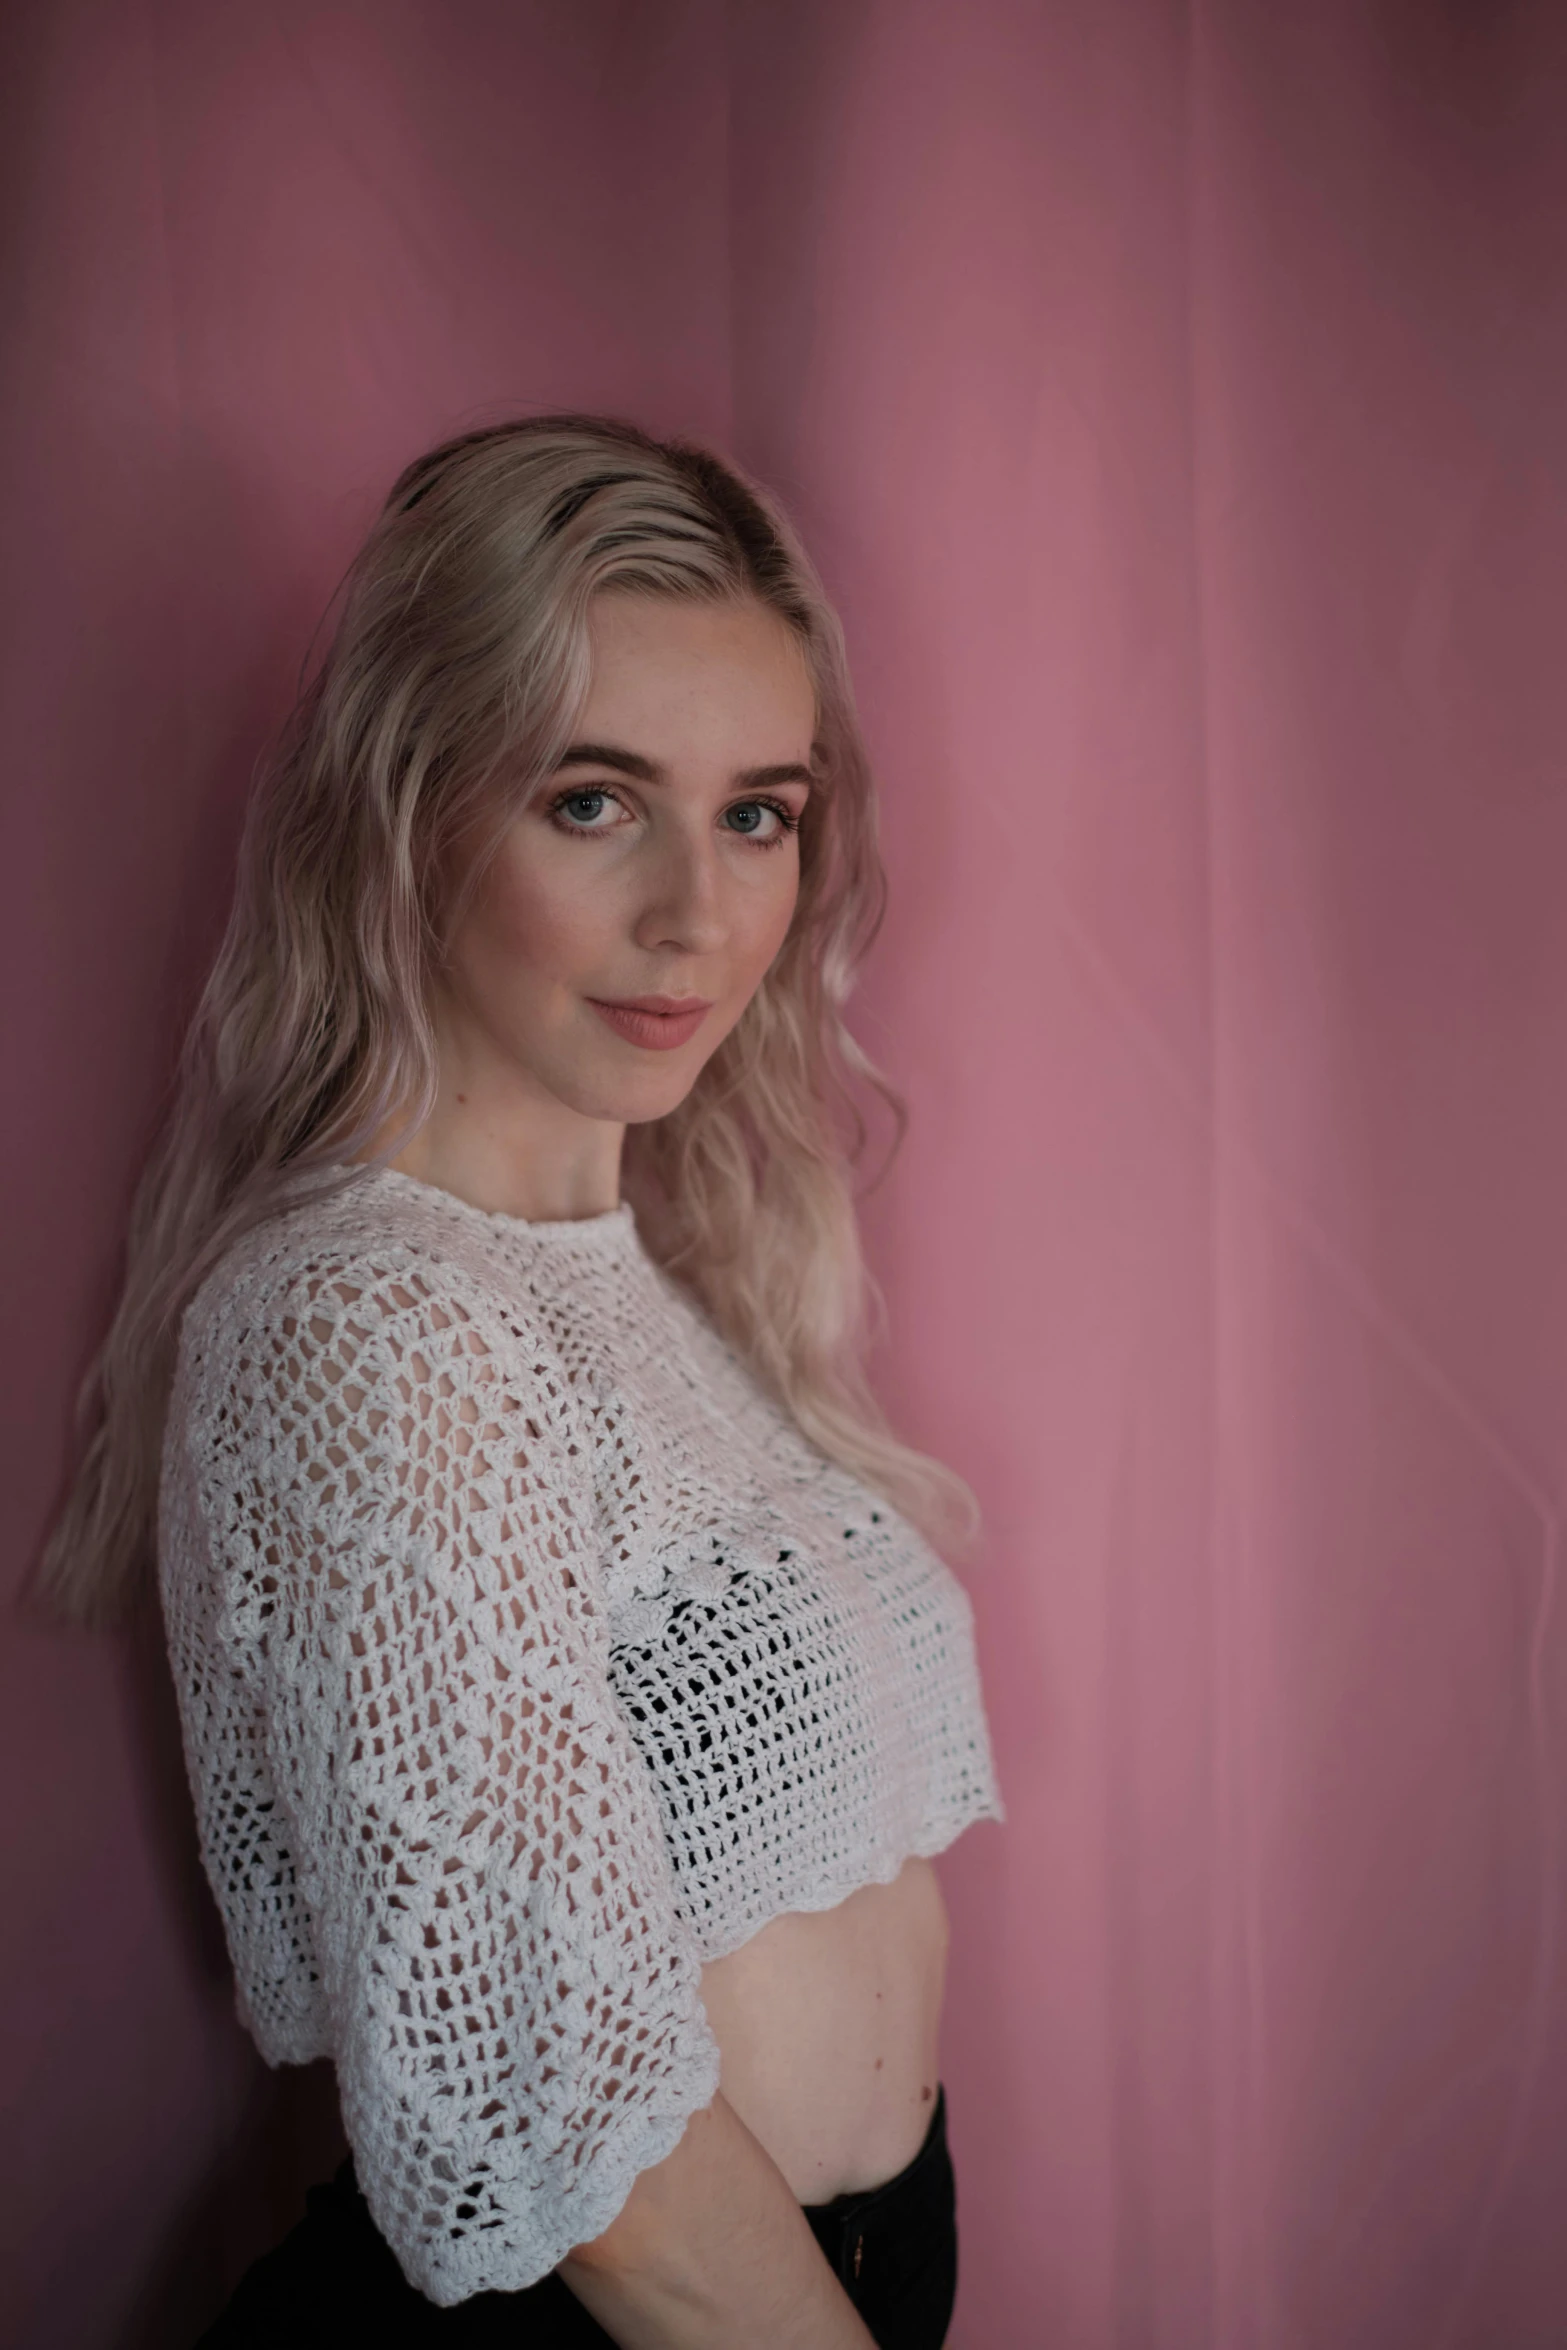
(767, 821)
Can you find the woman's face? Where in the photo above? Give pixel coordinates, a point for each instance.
(635, 904)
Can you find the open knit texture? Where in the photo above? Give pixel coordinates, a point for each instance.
(528, 1657)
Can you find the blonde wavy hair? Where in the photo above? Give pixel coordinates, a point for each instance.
(457, 666)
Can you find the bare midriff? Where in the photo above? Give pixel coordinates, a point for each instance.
(827, 2024)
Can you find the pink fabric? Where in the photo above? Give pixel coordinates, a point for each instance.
(1175, 400)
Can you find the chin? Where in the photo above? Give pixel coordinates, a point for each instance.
(628, 1098)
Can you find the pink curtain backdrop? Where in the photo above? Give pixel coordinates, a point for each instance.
(1177, 401)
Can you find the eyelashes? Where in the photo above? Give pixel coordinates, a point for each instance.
(787, 823)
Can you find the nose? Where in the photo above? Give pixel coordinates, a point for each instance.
(686, 906)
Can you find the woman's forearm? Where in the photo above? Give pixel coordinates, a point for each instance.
(712, 2252)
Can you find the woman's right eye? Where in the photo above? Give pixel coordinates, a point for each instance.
(582, 809)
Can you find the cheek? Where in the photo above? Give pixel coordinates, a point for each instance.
(765, 923)
(534, 922)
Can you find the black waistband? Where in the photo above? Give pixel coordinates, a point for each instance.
(851, 2206)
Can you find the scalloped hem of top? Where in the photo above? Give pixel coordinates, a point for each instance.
(448, 2281)
(838, 1889)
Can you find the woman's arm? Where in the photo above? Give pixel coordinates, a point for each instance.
(712, 2252)
(400, 1484)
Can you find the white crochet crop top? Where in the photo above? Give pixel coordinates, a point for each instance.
(528, 1657)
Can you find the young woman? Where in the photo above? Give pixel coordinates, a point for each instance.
(571, 1705)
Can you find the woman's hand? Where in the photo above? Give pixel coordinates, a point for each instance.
(711, 2251)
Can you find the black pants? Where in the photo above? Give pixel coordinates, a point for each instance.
(333, 2279)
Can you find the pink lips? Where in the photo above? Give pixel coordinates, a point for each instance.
(657, 1022)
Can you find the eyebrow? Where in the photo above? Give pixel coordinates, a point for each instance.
(643, 770)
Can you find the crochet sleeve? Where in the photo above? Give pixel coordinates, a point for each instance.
(515, 2002)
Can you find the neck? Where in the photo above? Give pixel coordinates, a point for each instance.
(514, 1152)
(505, 1173)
